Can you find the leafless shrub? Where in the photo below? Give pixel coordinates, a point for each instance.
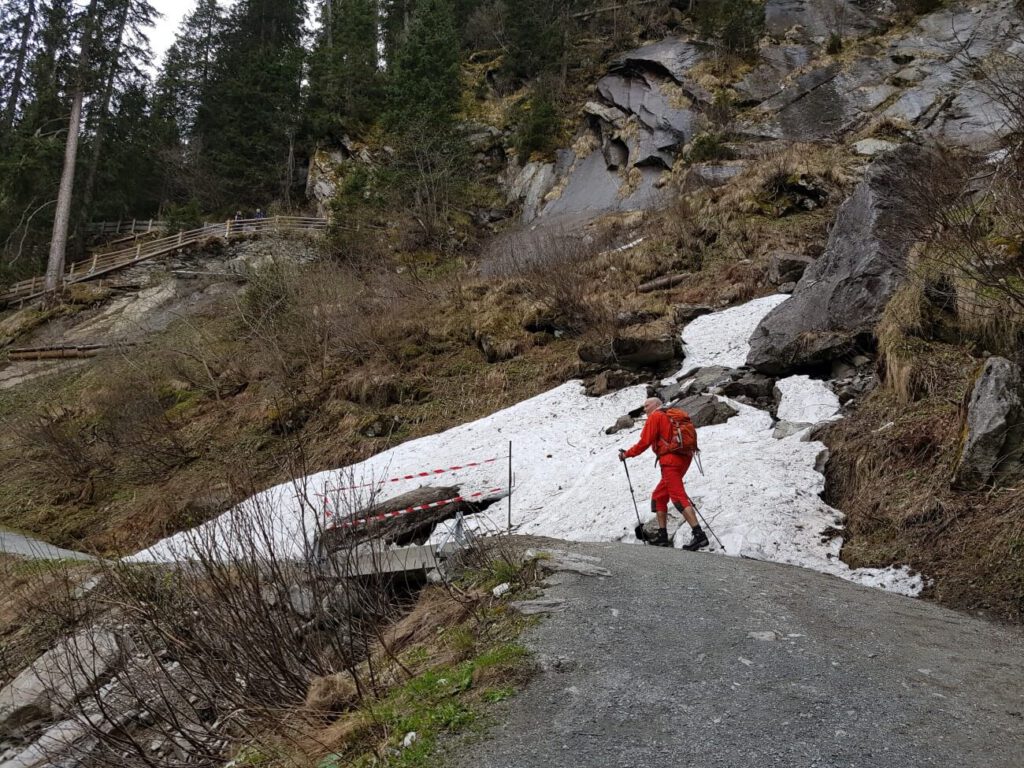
(554, 269)
(250, 637)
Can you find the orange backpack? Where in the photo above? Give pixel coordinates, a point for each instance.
(682, 436)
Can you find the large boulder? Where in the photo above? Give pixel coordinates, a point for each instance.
(841, 295)
(707, 411)
(47, 688)
(992, 449)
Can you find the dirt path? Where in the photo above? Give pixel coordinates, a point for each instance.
(683, 659)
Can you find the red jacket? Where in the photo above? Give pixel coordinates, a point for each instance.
(658, 427)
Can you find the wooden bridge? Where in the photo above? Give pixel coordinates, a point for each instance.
(144, 250)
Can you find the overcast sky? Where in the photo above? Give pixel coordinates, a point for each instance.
(162, 34)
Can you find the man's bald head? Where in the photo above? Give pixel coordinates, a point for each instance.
(652, 404)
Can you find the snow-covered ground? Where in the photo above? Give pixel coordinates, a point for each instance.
(760, 495)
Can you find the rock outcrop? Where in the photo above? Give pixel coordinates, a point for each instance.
(841, 296)
(993, 447)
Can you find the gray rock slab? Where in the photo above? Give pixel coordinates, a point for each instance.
(671, 667)
(593, 190)
(768, 78)
(674, 56)
(47, 687)
(843, 293)
(992, 450)
(706, 411)
(703, 379)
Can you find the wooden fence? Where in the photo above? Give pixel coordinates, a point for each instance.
(101, 264)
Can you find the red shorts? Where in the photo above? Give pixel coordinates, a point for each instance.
(671, 487)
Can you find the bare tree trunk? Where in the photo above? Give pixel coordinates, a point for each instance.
(329, 22)
(62, 216)
(289, 173)
(19, 67)
(59, 241)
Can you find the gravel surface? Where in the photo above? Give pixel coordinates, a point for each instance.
(683, 659)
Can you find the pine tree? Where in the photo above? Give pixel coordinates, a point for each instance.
(17, 26)
(424, 89)
(249, 112)
(188, 66)
(345, 93)
(120, 53)
(535, 31)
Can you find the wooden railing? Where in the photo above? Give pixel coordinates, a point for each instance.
(133, 227)
(101, 264)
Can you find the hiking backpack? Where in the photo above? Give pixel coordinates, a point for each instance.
(682, 439)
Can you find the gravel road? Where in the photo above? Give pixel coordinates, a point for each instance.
(683, 659)
(17, 544)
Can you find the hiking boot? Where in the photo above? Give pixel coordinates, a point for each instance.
(660, 539)
(699, 540)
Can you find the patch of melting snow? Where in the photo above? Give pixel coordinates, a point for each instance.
(759, 494)
(723, 338)
(806, 400)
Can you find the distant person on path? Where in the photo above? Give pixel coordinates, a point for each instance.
(260, 214)
(666, 437)
(238, 216)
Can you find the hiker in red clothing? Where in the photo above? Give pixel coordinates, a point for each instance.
(669, 433)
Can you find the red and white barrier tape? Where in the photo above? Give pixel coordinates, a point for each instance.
(414, 476)
(407, 510)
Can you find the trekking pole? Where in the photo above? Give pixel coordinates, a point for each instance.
(709, 527)
(640, 525)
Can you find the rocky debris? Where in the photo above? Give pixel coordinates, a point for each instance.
(45, 690)
(611, 381)
(683, 313)
(842, 294)
(704, 379)
(706, 411)
(993, 449)
(621, 423)
(787, 267)
(751, 387)
(787, 288)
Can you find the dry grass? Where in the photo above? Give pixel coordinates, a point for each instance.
(890, 471)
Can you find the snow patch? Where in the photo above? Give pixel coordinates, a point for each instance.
(807, 401)
(723, 338)
(761, 496)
